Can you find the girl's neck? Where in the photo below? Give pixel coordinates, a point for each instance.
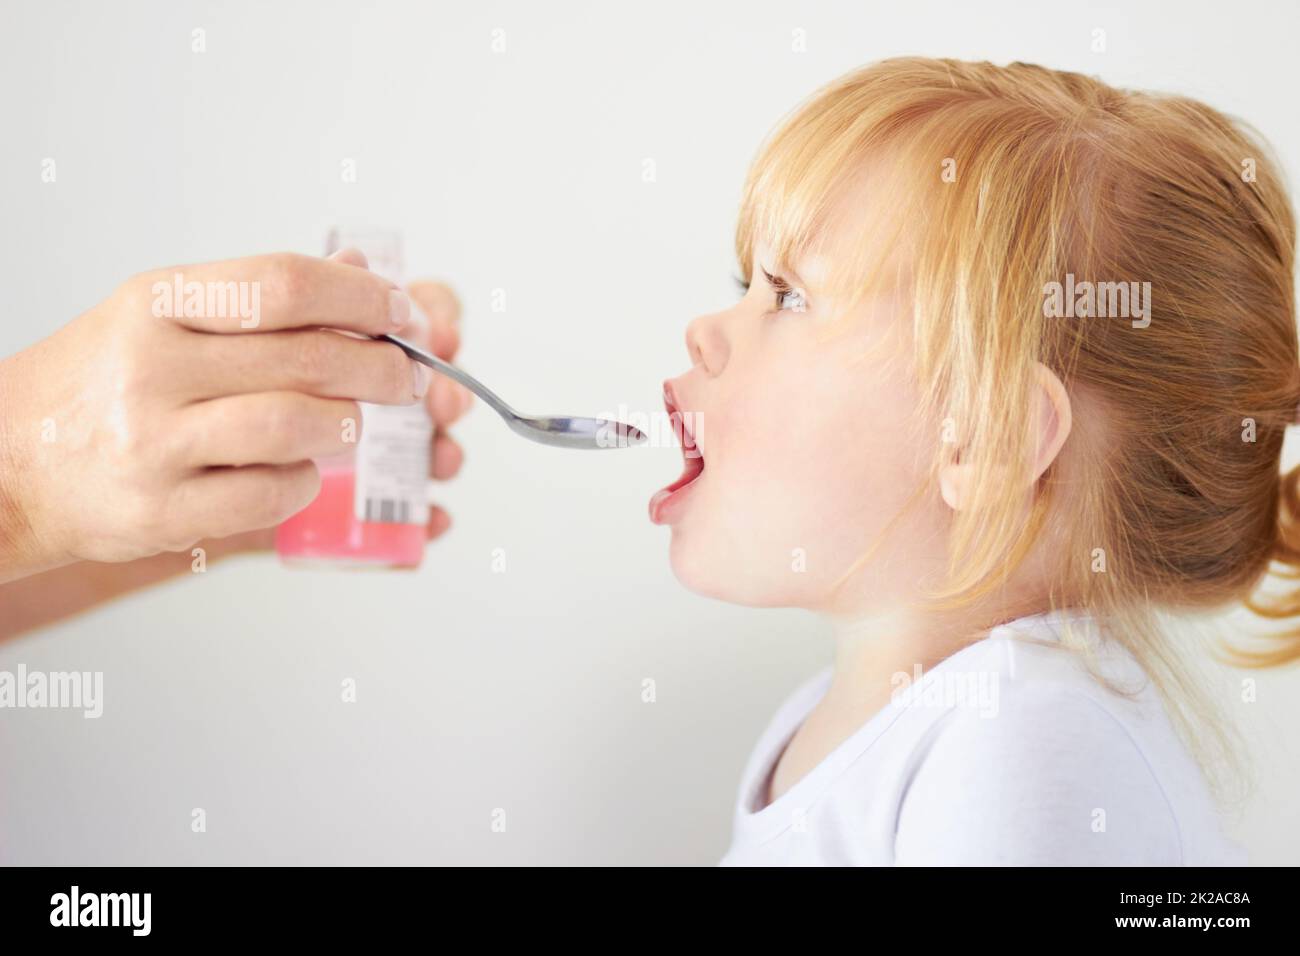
(872, 647)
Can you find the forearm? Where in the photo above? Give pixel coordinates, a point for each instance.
(18, 557)
(25, 547)
(42, 599)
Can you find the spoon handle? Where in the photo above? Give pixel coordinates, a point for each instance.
(452, 372)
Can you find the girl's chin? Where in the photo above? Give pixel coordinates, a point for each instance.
(695, 569)
(721, 577)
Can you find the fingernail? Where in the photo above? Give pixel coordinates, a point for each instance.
(423, 376)
(350, 251)
(419, 324)
(466, 400)
(399, 308)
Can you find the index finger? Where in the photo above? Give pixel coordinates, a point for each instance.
(279, 291)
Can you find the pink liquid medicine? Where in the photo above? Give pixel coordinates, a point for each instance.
(328, 532)
(372, 508)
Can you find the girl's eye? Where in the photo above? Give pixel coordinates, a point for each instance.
(787, 297)
(792, 299)
(741, 283)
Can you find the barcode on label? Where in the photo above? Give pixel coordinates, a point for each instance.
(388, 509)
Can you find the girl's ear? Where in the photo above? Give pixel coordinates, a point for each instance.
(1053, 421)
(1050, 418)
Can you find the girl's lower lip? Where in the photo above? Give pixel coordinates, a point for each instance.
(666, 503)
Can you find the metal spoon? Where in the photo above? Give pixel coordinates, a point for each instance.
(560, 431)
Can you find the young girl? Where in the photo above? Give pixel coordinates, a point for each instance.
(1009, 383)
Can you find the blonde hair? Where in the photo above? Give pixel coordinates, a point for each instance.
(1177, 483)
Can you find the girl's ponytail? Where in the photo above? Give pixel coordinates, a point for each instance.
(1269, 603)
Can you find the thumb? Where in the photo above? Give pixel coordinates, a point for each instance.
(442, 308)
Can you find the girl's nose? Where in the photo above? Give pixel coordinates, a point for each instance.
(707, 343)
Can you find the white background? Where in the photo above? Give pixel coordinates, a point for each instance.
(521, 171)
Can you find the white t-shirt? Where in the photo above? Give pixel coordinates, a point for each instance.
(1006, 753)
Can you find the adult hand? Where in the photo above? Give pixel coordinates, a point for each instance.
(146, 425)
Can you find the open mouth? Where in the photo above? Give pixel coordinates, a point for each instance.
(663, 503)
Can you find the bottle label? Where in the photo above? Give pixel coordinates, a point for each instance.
(393, 464)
